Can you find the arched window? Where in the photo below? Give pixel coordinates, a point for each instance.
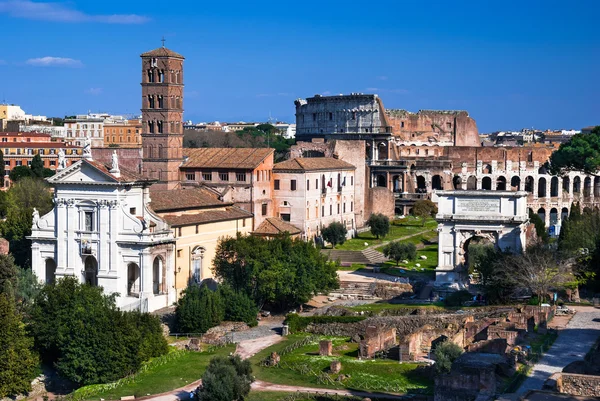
(553, 216)
(133, 279)
(542, 188)
(197, 257)
(554, 186)
(91, 271)
(501, 184)
(158, 276)
(457, 182)
(159, 125)
(50, 270)
(472, 183)
(160, 102)
(486, 183)
(436, 182)
(515, 183)
(577, 185)
(566, 184)
(587, 186)
(150, 101)
(542, 213)
(421, 185)
(529, 184)
(487, 169)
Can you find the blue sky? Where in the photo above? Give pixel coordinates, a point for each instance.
(511, 64)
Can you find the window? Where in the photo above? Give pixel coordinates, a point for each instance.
(243, 222)
(354, 115)
(19, 163)
(190, 176)
(150, 127)
(314, 116)
(160, 102)
(179, 231)
(449, 125)
(197, 228)
(224, 176)
(88, 222)
(161, 76)
(344, 208)
(53, 162)
(317, 183)
(150, 76)
(276, 185)
(285, 216)
(402, 124)
(179, 253)
(207, 176)
(29, 163)
(293, 185)
(7, 163)
(330, 210)
(150, 103)
(338, 205)
(307, 185)
(132, 211)
(4, 139)
(351, 206)
(322, 211)
(264, 209)
(351, 180)
(240, 177)
(159, 125)
(330, 116)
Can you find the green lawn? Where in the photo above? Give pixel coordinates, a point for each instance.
(401, 228)
(174, 374)
(353, 267)
(367, 375)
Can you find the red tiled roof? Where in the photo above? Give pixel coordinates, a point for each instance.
(226, 158)
(161, 52)
(35, 145)
(125, 176)
(178, 199)
(206, 216)
(25, 134)
(275, 226)
(313, 164)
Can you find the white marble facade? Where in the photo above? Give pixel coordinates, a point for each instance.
(498, 216)
(102, 232)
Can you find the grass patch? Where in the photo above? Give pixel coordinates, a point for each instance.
(176, 373)
(367, 375)
(353, 267)
(401, 228)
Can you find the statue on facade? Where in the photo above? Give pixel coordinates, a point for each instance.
(115, 163)
(36, 216)
(62, 161)
(87, 148)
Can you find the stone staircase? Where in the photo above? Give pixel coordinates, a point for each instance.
(366, 257)
(354, 290)
(374, 257)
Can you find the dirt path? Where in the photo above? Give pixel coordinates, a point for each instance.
(263, 386)
(248, 348)
(399, 239)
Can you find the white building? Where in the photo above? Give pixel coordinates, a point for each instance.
(89, 126)
(311, 193)
(287, 130)
(54, 131)
(102, 232)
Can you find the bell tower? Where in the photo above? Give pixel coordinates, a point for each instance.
(162, 116)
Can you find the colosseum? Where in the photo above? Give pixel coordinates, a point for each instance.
(414, 154)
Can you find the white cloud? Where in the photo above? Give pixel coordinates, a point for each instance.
(94, 91)
(54, 62)
(61, 12)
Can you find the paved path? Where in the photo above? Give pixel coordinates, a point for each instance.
(248, 348)
(572, 344)
(264, 386)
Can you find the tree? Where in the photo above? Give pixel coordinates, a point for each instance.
(540, 227)
(199, 309)
(445, 354)
(424, 208)
(480, 255)
(238, 306)
(18, 362)
(281, 271)
(2, 169)
(9, 273)
(400, 250)
(334, 233)
(37, 166)
(80, 332)
(581, 152)
(380, 224)
(20, 172)
(226, 379)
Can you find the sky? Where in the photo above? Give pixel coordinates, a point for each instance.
(510, 64)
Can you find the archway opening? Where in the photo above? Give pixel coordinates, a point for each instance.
(436, 182)
(397, 182)
(457, 182)
(197, 259)
(501, 184)
(472, 183)
(487, 169)
(50, 270)
(91, 271)
(564, 213)
(587, 186)
(476, 250)
(553, 216)
(554, 186)
(158, 276)
(381, 180)
(421, 184)
(529, 184)
(542, 213)
(566, 184)
(577, 185)
(542, 188)
(515, 183)
(486, 183)
(133, 280)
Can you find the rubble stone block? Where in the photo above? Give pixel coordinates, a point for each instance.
(325, 348)
(335, 367)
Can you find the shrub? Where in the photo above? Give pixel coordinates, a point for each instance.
(398, 251)
(380, 225)
(298, 323)
(458, 298)
(335, 233)
(199, 309)
(226, 379)
(423, 209)
(238, 306)
(446, 353)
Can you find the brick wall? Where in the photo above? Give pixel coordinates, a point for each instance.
(129, 158)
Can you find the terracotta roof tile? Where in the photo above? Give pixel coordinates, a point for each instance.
(313, 164)
(125, 176)
(275, 226)
(161, 52)
(178, 199)
(226, 158)
(206, 216)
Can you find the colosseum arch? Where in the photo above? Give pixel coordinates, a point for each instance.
(515, 183)
(457, 182)
(554, 187)
(501, 183)
(529, 184)
(566, 184)
(472, 183)
(587, 186)
(542, 188)
(437, 182)
(486, 183)
(577, 185)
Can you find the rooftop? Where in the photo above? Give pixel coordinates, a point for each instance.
(275, 226)
(206, 216)
(225, 158)
(313, 164)
(124, 176)
(162, 52)
(180, 199)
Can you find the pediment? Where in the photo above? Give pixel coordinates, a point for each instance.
(82, 172)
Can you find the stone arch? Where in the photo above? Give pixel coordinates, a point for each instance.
(50, 270)
(554, 186)
(486, 183)
(158, 276)
(553, 216)
(133, 279)
(421, 184)
(542, 170)
(91, 271)
(382, 151)
(397, 183)
(515, 183)
(587, 186)
(542, 213)
(566, 184)
(501, 183)
(529, 184)
(542, 188)
(473, 237)
(437, 182)
(564, 213)
(380, 179)
(457, 182)
(197, 262)
(577, 185)
(487, 169)
(472, 183)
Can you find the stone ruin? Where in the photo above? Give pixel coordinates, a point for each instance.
(376, 339)
(325, 348)
(335, 367)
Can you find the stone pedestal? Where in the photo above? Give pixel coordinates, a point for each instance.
(325, 348)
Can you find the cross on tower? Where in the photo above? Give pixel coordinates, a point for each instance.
(163, 41)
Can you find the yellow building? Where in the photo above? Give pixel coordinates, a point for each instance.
(125, 134)
(198, 219)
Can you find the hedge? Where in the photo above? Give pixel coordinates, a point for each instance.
(298, 323)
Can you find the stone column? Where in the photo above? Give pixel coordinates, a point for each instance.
(74, 264)
(548, 187)
(103, 238)
(146, 273)
(535, 187)
(113, 230)
(61, 228)
(404, 183)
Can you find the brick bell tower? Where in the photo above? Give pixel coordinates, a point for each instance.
(162, 116)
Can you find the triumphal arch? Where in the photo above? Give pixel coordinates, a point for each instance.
(498, 217)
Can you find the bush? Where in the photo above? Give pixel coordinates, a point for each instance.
(380, 225)
(226, 379)
(399, 251)
(238, 306)
(80, 331)
(335, 233)
(423, 209)
(446, 353)
(199, 309)
(299, 323)
(458, 298)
